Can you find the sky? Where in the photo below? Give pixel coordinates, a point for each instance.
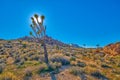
(81, 22)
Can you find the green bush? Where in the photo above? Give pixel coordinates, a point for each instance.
(98, 75)
(72, 58)
(42, 68)
(105, 66)
(63, 60)
(67, 54)
(81, 64)
(1, 69)
(28, 73)
(116, 71)
(24, 45)
(8, 76)
(76, 71)
(53, 67)
(92, 65)
(118, 65)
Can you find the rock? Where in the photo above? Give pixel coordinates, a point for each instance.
(112, 49)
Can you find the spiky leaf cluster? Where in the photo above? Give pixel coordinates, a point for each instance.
(38, 29)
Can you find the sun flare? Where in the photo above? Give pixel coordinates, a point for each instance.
(39, 19)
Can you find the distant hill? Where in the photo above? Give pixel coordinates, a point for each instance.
(113, 48)
(75, 45)
(50, 41)
(1, 39)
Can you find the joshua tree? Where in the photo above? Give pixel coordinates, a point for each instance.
(39, 35)
(84, 47)
(97, 45)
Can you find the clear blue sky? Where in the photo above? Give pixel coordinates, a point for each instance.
(87, 22)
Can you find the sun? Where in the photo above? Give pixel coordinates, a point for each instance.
(39, 19)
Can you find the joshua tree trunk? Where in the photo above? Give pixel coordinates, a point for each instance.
(47, 62)
(45, 54)
(52, 76)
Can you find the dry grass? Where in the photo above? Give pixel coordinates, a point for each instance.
(27, 59)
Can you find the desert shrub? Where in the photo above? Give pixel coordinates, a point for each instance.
(30, 54)
(36, 63)
(42, 68)
(102, 59)
(10, 60)
(56, 64)
(21, 66)
(67, 54)
(8, 76)
(9, 41)
(25, 58)
(28, 63)
(28, 73)
(90, 50)
(76, 71)
(73, 63)
(53, 67)
(98, 75)
(92, 65)
(38, 58)
(116, 71)
(72, 58)
(73, 54)
(1, 69)
(118, 65)
(112, 61)
(105, 66)
(17, 60)
(24, 45)
(81, 64)
(63, 60)
(21, 62)
(35, 57)
(41, 59)
(84, 54)
(2, 66)
(1, 61)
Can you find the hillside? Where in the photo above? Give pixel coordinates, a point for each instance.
(112, 49)
(50, 41)
(24, 60)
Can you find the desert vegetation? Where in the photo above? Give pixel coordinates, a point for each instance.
(30, 31)
(24, 60)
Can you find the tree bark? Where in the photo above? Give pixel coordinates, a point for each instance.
(52, 76)
(45, 54)
(47, 62)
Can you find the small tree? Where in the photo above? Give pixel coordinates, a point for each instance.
(39, 35)
(98, 48)
(97, 45)
(84, 47)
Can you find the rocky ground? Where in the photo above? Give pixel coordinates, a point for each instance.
(24, 60)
